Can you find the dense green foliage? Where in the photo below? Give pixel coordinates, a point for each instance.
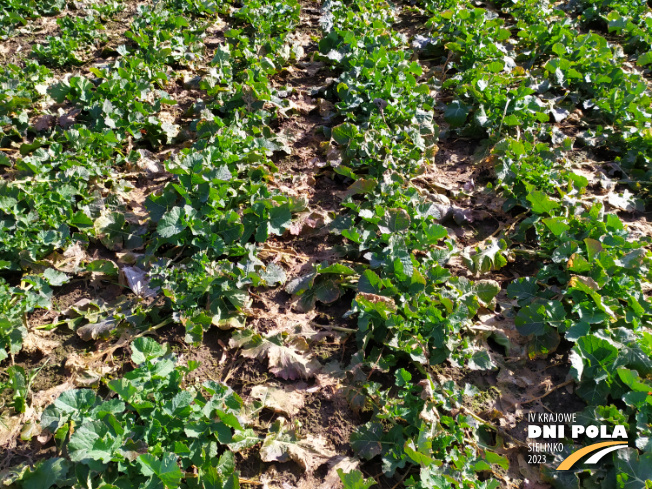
(509, 79)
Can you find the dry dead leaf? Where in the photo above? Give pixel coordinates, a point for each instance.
(34, 342)
(626, 201)
(326, 109)
(283, 444)
(10, 427)
(149, 162)
(68, 119)
(101, 329)
(44, 122)
(309, 222)
(138, 281)
(286, 359)
(70, 260)
(287, 400)
(87, 370)
(73, 255)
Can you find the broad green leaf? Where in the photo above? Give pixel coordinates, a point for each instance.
(578, 330)
(171, 223)
(598, 355)
(344, 133)
(366, 440)
(369, 282)
(144, 349)
(355, 480)
(632, 380)
(633, 471)
(280, 219)
(540, 346)
(165, 468)
(337, 268)
(109, 228)
(531, 320)
(273, 274)
(541, 203)
(480, 360)
(499, 460)
(456, 113)
(395, 220)
(46, 474)
(93, 441)
(54, 277)
(487, 290)
(557, 225)
(523, 289)
(644, 59)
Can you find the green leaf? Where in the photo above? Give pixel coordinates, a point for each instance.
(534, 318)
(366, 440)
(598, 354)
(361, 186)
(55, 278)
(542, 345)
(108, 227)
(456, 113)
(557, 225)
(67, 404)
(369, 282)
(46, 474)
(577, 263)
(487, 290)
(480, 360)
(171, 223)
(523, 289)
(93, 441)
(578, 330)
(280, 219)
(395, 220)
(327, 291)
(644, 59)
(273, 274)
(81, 221)
(165, 468)
(355, 480)
(243, 440)
(632, 471)
(210, 478)
(632, 379)
(144, 349)
(541, 203)
(106, 267)
(421, 451)
(499, 460)
(337, 268)
(344, 133)
(301, 284)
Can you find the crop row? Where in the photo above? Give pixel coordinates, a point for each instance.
(407, 304)
(592, 286)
